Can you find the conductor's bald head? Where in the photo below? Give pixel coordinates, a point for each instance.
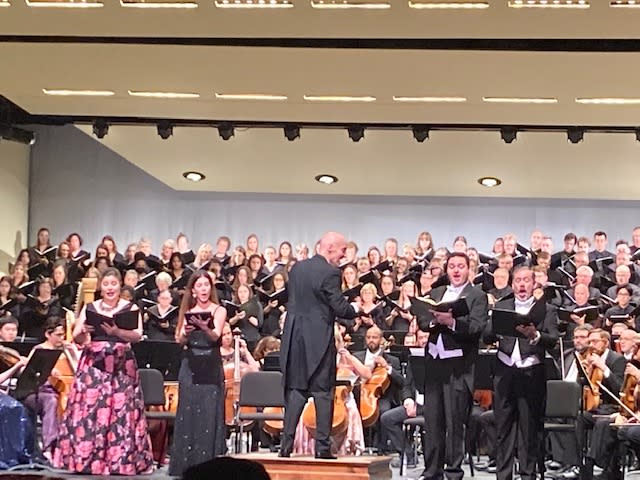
(332, 246)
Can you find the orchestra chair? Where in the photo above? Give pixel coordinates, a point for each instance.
(407, 427)
(259, 390)
(152, 384)
(562, 410)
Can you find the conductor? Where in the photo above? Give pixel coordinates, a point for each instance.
(308, 352)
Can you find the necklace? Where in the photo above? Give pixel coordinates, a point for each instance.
(107, 308)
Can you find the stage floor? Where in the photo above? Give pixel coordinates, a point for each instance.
(161, 474)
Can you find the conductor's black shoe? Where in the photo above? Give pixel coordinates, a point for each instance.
(326, 456)
(284, 453)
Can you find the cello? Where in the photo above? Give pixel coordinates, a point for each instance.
(232, 378)
(370, 393)
(340, 420)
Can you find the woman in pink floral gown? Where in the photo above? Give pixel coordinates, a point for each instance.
(104, 431)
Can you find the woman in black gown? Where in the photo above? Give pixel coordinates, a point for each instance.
(199, 433)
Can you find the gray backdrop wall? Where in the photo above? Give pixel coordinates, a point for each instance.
(77, 184)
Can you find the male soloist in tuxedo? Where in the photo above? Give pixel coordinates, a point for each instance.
(450, 355)
(519, 379)
(308, 352)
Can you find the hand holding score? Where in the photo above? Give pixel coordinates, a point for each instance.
(528, 331)
(443, 318)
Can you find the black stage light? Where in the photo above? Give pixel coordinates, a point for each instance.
(291, 132)
(15, 134)
(356, 133)
(226, 130)
(508, 134)
(165, 129)
(420, 133)
(100, 127)
(575, 134)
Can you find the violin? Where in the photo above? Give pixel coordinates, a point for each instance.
(630, 393)
(8, 357)
(594, 375)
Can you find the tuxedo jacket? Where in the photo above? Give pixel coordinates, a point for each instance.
(465, 336)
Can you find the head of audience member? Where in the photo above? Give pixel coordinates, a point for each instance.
(131, 278)
(584, 275)
(368, 294)
(256, 262)
(5, 288)
(140, 263)
(569, 242)
(540, 275)
(164, 299)
(422, 338)
(270, 255)
(600, 241)
(522, 283)
(623, 274)
(8, 328)
(472, 253)
(252, 244)
(543, 259)
(130, 253)
(581, 294)
(622, 247)
(45, 289)
(163, 281)
(64, 250)
(460, 244)
(599, 340)
(228, 468)
(373, 338)
(349, 276)
(144, 246)
(458, 269)
(59, 273)
(536, 240)
(332, 247)
(505, 261)
(43, 237)
(581, 337)
(176, 262)
(402, 266)
(279, 281)
(501, 278)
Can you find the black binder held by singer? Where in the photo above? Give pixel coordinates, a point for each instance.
(127, 320)
(504, 322)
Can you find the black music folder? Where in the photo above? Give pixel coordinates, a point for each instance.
(504, 322)
(125, 320)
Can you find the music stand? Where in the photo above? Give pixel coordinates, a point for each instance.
(164, 356)
(485, 368)
(36, 372)
(271, 362)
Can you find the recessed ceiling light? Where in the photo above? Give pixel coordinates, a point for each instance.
(135, 93)
(625, 4)
(82, 93)
(349, 4)
(579, 4)
(158, 4)
(251, 96)
(326, 179)
(253, 3)
(194, 176)
(5, 3)
(397, 98)
(449, 5)
(489, 181)
(519, 100)
(65, 3)
(608, 101)
(339, 98)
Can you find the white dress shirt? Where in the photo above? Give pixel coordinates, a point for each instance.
(437, 350)
(521, 307)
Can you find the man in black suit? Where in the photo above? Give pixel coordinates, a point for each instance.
(449, 363)
(375, 356)
(308, 352)
(519, 379)
(602, 439)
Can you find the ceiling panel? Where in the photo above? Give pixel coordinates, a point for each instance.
(296, 72)
(498, 21)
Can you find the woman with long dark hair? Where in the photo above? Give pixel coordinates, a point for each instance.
(200, 429)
